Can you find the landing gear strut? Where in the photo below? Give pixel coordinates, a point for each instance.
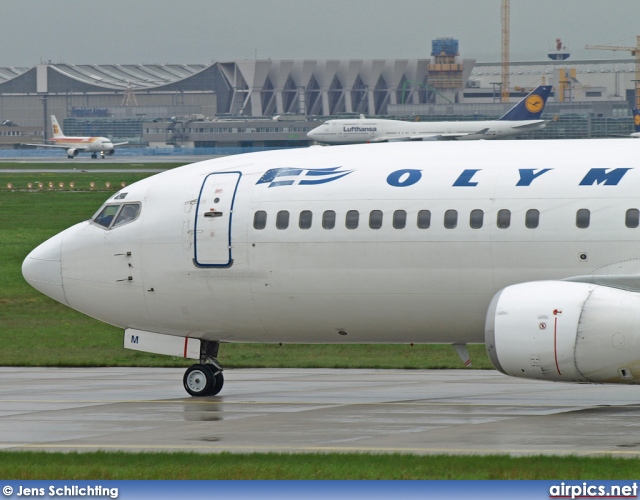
(205, 378)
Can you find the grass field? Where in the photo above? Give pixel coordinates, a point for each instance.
(37, 331)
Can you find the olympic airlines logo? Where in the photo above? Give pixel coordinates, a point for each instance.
(534, 103)
(301, 176)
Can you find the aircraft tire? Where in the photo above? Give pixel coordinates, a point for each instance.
(198, 380)
(218, 381)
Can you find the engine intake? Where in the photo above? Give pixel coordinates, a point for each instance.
(565, 331)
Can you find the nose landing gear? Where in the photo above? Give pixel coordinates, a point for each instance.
(205, 378)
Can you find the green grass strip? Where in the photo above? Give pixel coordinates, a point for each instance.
(118, 466)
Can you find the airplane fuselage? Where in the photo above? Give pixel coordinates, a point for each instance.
(86, 144)
(378, 284)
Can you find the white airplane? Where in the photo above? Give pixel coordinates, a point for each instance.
(531, 247)
(74, 145)
(523, 117)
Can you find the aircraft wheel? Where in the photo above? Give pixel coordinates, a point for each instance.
(94, 156)
(198, 380)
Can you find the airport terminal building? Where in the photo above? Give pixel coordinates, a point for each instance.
(274, 103)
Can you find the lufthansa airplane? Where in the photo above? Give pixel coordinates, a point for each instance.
(74, 145)
(531, 247)
(523, 117)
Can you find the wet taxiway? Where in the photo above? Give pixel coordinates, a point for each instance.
(324, 410)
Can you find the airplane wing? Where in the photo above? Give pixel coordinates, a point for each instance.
(406, 138)
(451, 136)
(120, 143)
(529, 124)
(61, 146)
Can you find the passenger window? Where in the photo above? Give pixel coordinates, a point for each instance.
(476, 219)
(260, 219)
(532, 218)
(632, 219)
(583, 217)
(375, 219)
(305, 219)
(451, 219)
(105, 217)
(328, 219)
(399, 219)
(128, 213)
(282, 219)
(504, 219)
(424, 219)
(351, 221)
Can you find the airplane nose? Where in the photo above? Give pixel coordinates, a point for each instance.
(42, 269)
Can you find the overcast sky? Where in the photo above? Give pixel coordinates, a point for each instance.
(203, 31)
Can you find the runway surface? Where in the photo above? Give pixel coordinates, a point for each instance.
(324, 410)
(130, 160)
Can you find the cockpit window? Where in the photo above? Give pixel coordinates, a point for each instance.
(105, 217)
(128, 213)
(117, 215)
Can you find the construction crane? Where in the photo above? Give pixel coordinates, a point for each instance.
(635, 51)
(505, 50)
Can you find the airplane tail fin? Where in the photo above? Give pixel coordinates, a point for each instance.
(636, 119)
(55, 126)
(529, 108)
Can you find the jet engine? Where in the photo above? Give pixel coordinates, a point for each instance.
(565, 331)
(71, 152)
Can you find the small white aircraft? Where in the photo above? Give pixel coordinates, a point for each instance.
(531, 247)
(74, 145)
(523, 117)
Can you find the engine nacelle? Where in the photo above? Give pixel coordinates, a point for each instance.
(71, 152)
(565, 331)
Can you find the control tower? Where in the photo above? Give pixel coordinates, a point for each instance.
(561, 53)
(444, 72)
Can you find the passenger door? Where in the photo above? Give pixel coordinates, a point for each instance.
(212, 226)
